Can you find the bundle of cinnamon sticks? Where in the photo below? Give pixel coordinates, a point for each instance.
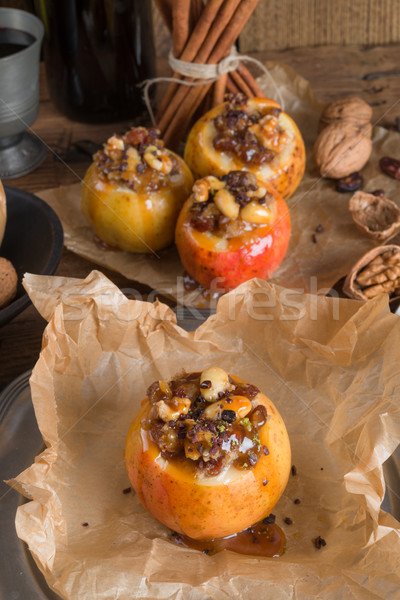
(202, 33)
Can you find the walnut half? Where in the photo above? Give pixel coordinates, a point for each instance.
(376, 272)
(377, 217)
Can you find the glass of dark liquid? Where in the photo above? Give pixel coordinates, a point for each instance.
(21, 36)
(96, 52)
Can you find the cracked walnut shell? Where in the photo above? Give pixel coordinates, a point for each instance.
(377, 217)
(376, 272)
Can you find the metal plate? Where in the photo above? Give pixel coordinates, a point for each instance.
(20, 442)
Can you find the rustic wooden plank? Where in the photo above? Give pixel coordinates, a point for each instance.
(282, 24)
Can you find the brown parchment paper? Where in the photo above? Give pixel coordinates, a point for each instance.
(330, 366)
(307, 266)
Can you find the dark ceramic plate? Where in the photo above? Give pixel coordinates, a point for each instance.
(33, 242)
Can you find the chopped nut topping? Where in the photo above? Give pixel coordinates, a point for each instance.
(188, 418)
(231, 204)
(124, 158)
(254, 137)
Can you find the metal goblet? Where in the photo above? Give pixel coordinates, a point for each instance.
(21, 35)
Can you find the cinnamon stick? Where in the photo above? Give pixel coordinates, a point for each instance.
(241, 84)
(251, 82)
(195, 41)
(180, 25)
(176, 114)
(219, 90)
(196, 7)
(221, 11)
(223, 33)
(231, 85)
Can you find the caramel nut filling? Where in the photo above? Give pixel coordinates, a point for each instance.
(209, 418)
(253, 135)
(230, 204)
(135, 156)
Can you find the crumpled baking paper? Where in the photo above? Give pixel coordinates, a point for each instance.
(307, 266)
(330, 365)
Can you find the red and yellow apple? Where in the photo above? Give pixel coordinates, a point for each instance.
(133, 192)
(207, 507)
(218, 261)
(252, 134)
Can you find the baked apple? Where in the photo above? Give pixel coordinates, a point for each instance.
(208, 454)
(252, 134)
(134, 190)
(231, 229)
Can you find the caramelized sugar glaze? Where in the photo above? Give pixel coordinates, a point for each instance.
(265, 538)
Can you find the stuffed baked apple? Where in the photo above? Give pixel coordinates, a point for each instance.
(134, 190)
(231, 229)
(208, 454)
(252, 134)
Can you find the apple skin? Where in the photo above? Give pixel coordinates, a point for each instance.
(284, 172)
(255, 253)
(142, 221)
(213, 507)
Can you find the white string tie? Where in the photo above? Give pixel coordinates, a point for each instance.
(204, 73)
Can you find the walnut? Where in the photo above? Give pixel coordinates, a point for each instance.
(8, 282)
(343, 145)
(376, 272)
(378, 217)
(346, 109)
(342, 148)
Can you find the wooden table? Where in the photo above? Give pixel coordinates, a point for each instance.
(372, 74)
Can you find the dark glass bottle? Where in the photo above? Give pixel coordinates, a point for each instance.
(96, 52)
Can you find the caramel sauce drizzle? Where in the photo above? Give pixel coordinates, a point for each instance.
(261, 539)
